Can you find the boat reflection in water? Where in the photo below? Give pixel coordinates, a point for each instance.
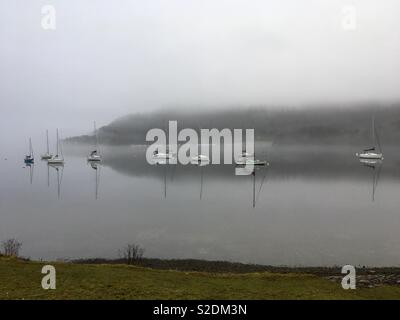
(376, 166)
(258, 165)
(31, 168)
(97, 167)
(201, 161)
(162, 161)
(59, 167)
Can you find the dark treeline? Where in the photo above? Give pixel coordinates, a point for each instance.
(233, 267)
(313, 125)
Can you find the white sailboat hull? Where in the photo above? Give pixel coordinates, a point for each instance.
(163, 156)
(95, 155)
(200, 160)
(247, 155)
(370, 155)
(46, 156)
(56, 165)
(253, 162)
(94, 158)
(56, 161)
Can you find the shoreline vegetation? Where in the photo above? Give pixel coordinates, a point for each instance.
(149, 278)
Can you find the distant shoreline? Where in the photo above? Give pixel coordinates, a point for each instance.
(200, 265)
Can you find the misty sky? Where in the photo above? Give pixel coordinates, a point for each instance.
(109, 58)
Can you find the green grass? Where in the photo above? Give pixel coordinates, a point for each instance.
(22, 280)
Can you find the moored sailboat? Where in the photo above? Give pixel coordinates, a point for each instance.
(249, 159)
(374, 152)
(58, 158)
(29, 158)
(47, 155)
(95, 154)
(200, 160)
(163, 156)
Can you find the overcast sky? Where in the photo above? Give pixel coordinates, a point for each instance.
(108, 58)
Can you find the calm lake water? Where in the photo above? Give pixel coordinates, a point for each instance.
(311, 206)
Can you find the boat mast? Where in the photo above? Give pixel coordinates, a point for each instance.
(377, 138)
(30, 147)
(61, 150)
(57, 143)
(373, 131)
(97, 139)
(47, 140)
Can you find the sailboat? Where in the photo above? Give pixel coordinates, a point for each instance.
(160, 157)
(163, 156)
(200, 160)
(249, 159)
(57, 159)
(372, 152)
(47, 155)
(251, 162)
(95, 154)
(29, 159)
(246, 154)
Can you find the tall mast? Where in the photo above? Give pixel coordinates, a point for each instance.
(57, 141)
(373, 130)
(97, 138)
(61, 150)
(47, 140)
(30, 147)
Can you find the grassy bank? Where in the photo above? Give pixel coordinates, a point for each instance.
(22, 280)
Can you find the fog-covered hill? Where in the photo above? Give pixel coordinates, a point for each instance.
(313, 125)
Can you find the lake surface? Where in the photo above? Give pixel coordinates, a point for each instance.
(312, 206)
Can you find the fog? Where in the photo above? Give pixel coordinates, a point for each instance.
(110, 58)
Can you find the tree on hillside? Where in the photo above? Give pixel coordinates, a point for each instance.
(131, 253)
(11, 247)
